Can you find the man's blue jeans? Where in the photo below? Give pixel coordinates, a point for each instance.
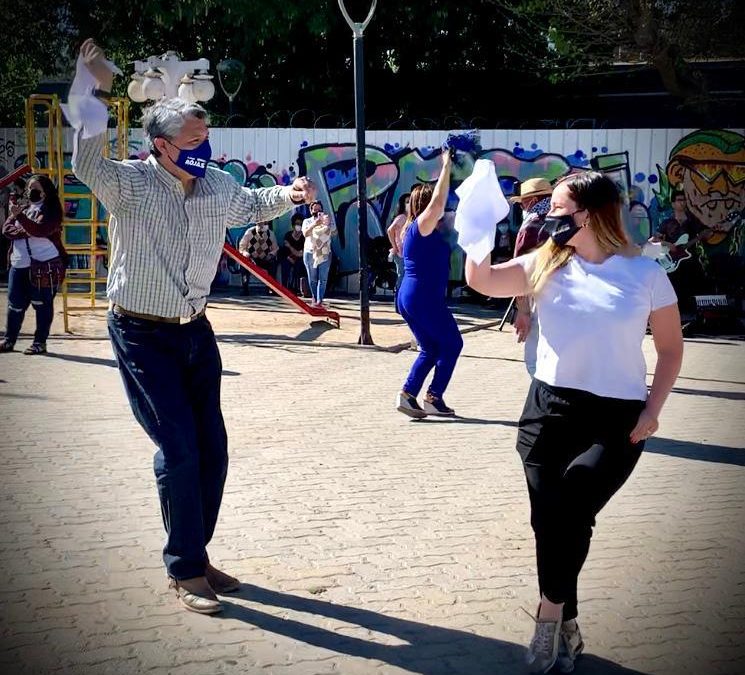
(317, 276)
(172, 375)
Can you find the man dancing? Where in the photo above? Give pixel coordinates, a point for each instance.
(167, 227)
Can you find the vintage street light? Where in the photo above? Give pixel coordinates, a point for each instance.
(230, 77)
(168, 76)
(358, 30)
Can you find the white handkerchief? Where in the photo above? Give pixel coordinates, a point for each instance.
(482, 205)
(83, 110)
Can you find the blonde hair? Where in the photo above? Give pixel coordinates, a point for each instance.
(598, 194)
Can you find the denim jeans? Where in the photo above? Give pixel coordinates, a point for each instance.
(317, 276)
(21, 294)
(172, 375)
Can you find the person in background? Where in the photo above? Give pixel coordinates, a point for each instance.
(588, 412)
(422, 299)
(678, 224)
(318, 231)
(259, 245)
(688, 278)
(535, 202)
(37, 261)
(291, 255)
(10, 194)
(394, 236)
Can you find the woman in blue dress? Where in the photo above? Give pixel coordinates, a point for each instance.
(422, 298)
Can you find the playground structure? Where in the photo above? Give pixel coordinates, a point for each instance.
(85, 224)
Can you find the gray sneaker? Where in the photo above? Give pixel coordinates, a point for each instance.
(570, 646)
(544, 647)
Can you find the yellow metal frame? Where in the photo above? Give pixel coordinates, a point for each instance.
(56, 171)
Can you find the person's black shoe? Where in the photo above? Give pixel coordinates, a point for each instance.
(436, 406)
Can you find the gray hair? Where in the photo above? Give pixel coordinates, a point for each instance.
(165, 119)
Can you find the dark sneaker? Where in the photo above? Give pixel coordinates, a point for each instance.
(408, 405)
(7, 346)
(36, 348)
(570, 646)
(436, 406)
(543, 650)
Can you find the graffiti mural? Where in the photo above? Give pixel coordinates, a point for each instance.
(646, 164)
(708, 166)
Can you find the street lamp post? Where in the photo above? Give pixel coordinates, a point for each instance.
(358, 30)
(167, 76)
(230, 69)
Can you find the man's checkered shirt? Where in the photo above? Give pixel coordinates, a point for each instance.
(166, 245)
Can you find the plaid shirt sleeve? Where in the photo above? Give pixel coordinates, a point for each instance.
(255, 205)
(113, 182)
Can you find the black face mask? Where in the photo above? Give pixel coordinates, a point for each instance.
(561, 228)
(34, 195)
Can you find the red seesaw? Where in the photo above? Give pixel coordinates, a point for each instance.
(279, 289)
(20, 171)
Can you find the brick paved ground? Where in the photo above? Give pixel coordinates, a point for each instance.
(368, 543)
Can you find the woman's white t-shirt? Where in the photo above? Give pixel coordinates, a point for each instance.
(592, 320)
(41, 248)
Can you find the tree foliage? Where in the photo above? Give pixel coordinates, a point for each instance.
(432, 59)
(586, 36)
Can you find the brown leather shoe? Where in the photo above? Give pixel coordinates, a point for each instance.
(221, 582)
(196, 595)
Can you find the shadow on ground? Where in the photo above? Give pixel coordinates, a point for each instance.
(687, 450)
(421, 648)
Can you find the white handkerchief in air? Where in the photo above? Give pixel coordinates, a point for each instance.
(83, 110)
(481, 206)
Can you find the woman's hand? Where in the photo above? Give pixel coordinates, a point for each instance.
(522, 325)
(447, 160)
(15, 209)
(645, 427)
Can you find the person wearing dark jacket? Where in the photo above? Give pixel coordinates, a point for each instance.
(37, 266)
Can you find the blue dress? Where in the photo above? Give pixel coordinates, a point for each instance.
(422, 301)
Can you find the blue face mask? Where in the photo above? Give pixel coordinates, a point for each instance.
(194, 161)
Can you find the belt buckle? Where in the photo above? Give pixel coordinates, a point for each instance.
(184, 319)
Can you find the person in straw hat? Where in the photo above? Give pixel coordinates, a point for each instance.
(535, 201)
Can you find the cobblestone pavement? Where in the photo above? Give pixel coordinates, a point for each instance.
(367, 543)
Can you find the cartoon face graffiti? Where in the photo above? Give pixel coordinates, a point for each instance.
(710, 167)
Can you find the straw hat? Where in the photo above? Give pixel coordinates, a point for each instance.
(533, 187)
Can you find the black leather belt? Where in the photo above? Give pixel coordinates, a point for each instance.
(118, 309)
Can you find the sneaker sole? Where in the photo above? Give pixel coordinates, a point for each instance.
(437, 413)
(416, 414)
(197, 610)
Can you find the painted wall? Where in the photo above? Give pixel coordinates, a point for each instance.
(646, 163)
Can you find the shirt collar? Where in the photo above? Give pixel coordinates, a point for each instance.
(168, 179)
